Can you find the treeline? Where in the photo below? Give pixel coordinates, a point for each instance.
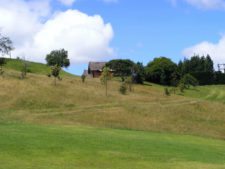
(162, 70)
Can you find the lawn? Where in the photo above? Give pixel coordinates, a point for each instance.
(26, 146)
(212, 93)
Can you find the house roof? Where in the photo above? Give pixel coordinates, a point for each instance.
(96, 66)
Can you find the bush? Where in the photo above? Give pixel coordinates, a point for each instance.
(181, 87)
(173, 90)
(83, 78)
(129, 83)
(219, 78)
(188, 80)
(123, 88)
(166, 92)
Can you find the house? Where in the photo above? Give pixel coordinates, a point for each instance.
(95, 69)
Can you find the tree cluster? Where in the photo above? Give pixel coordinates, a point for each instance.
(198, 70)
(127, 68)
(199, 67)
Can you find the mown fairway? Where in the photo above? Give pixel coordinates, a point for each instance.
(73, 125)
(51, 147)
(212, 93)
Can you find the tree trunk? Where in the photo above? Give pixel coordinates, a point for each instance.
(106, 88)
(55, 81)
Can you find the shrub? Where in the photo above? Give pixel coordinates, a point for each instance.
(166, 92)
(188, 80)
(181, 87)
(129, 83)
(123, 88)
(83, 77)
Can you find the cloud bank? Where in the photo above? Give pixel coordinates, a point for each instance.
(36, 29)
(215, 50)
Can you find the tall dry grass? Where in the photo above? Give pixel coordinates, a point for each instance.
(37, 100)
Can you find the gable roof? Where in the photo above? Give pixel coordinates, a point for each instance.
(96, 66)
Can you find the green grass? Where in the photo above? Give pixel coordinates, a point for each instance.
(211, 93)
(54, 147)
(75, 126)
(33, 67)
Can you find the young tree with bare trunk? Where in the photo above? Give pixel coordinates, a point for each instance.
(105, 77)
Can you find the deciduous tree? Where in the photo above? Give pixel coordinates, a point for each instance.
(160, 71)
(59, 58)
(105, 77)
(6, 45)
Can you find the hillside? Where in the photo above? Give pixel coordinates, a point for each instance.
(54, 147)
(33, 67)
(215, 93)
(74, 125)
(36, 100)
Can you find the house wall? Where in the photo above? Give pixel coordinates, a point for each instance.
(96, 74)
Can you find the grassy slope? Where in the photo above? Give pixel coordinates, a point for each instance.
(212, 93)
(27, 106)
(36, 100)
(33, 67)
(52, 147)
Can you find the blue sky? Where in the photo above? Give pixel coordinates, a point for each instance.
(147, 29)
(131, 29)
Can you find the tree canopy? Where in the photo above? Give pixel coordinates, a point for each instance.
(199, 67)
(161, 71)
(6, 45)
(196, 64)
(59, 58)
(139, 73)
(121, 67)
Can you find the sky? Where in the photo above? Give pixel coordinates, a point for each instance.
(101, 30)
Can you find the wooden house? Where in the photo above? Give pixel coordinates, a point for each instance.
(95, 69)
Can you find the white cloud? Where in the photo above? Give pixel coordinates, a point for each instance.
(40, 31)
(85, 37)
(204, 4)
(20, 20)
(215, 50)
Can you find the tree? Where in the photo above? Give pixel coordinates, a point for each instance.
(83, 78)
(202, 68)
(55, 70)
(166, 91)
(160, 71)
(105, 77)
(209, 65)
(129, 82)
(123, 88)
(2, 62)
(6, 45)
(24, 68)
(187, 81)
(139, 73)
(121, 67)
(59, 58)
